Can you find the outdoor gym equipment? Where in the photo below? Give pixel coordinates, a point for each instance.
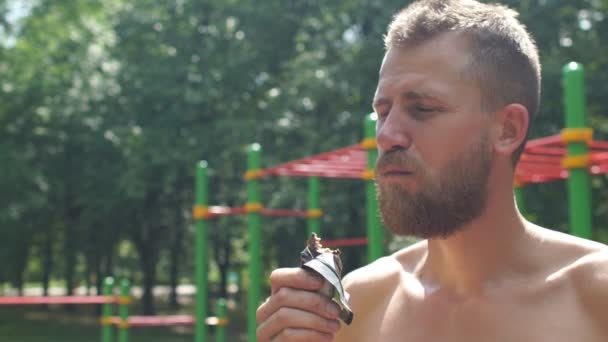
(202, 213)
(355, 162)
(123, 322)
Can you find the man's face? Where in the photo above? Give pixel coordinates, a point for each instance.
(434, 150)
(445, 202)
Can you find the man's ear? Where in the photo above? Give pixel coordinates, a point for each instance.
(512, 123)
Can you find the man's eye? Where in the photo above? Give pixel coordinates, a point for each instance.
(424, 109)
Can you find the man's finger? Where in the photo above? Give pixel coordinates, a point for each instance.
(303, 300)
(290, 318)
(296, 278)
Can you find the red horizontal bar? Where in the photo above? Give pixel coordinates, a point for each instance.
(324, 174)
(73, 300)
(358, 165)
(534, 158)
(157, 321)
(546, 151)
(536, 171)
(345, 242)
(350, 158)
(599, 157)
(542, 172)
(346, 152)
(545, 141)
(600, 145)
(284, 213)
(164, 321)
(328, 168)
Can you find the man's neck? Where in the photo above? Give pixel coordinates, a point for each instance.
(482, 253)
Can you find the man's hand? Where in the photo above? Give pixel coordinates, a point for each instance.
(294, 312)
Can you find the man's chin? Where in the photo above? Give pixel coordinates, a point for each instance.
(422, 233)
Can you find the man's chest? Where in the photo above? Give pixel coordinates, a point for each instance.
(552, 318)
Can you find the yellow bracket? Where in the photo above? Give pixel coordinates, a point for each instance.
(105, 320)
(369, 144)
(314, 213)
(253, 174)
(122, 325)
(215, 321)
(123, 300)
(254, 207)
(200, 212)
(576, 162)
(573, 135)
(368, 174)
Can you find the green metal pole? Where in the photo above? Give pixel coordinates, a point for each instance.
(579, 180)
(314, 222)
(220, 335)
(201, 268)
(520, 199)
(253, 220)
(123, 311)
(106, 311)
(375, 232)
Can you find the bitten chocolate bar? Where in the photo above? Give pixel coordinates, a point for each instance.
(326, 262)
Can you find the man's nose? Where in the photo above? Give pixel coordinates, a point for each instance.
(393, 132)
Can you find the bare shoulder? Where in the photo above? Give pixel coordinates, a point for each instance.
(368, 285)
(590, 277)
(371, 288)
(385, 272)
(565, 242)
(565, 252)
(585, 264)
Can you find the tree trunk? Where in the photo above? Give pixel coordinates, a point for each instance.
(19, 263)
(70, 264)
(149, 278)
(47, 265)
(175, 256)
(47, 262)
(87, 275)
(174, 275)
(222, 257)
(98, 281)
(225, 268)
(19, 283)
(109, 269)
(99, 276)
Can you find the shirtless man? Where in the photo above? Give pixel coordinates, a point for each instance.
(457, 91)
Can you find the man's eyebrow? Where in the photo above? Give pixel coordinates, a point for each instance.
(408, 95)
(417, 95)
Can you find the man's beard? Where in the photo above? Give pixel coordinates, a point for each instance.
(441, 205)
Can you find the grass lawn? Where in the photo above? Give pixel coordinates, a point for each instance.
(32, 324)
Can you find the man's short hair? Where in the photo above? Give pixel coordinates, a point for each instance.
(504, 56)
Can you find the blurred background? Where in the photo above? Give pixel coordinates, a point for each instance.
(106, 107)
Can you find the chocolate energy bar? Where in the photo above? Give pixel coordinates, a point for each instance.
(326, 262)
